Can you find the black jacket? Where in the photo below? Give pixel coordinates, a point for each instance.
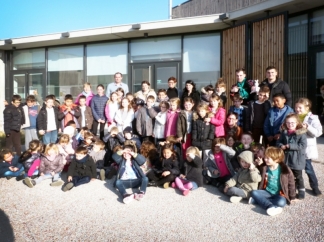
(193, 170)
(42, 119)
(113, 141)
(195, 95)
(87, 168)
(202, 134)
(13, 118)
(171, 165)
(279, 86)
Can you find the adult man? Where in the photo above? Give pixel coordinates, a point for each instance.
(242, 87)
(276, 85)
(118, 83)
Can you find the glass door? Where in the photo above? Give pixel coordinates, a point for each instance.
(141, 72)
(163, 72)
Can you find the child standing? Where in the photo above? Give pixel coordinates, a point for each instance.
(31, 157)
(313, 125)
(160, 120)
(161, 97)
(192, 177)
(219, 115)
(124, 115)
(87, 93)
(111, 109)
(293, 142)
(81, 171)
(172, 117)
(221, 90)
(9, 165)
(245, 180)
(86, 117)
(240, 110)
(69, 111)
(277, 186)
(144, 123)
(51, 166)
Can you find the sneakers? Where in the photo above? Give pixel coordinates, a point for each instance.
(29, 182)
(139, 196)
(20, 177)
(57, 183)
(102, 174)
(235, 199)
(251, 201)
(186, 192)
(111, 173)
(68, 186)
(301, 194)
(8, 177)
(128, 198)
(173, 185)
(273, 211)
(166, 185)
(317, 192)
(152, 184)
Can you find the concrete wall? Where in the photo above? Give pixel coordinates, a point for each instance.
(2, 87)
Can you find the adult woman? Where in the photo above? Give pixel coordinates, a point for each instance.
(87, 93)
(145, 92)
(190, 91)
(231, 127)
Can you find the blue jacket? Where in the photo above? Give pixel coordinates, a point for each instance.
(4, 166)
(136, 163)
(98, 104)
(271, 126)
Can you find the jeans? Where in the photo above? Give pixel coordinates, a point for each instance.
(235, 191)
(311, 174)
(48, 176)
(50, 137)
(14, 173)
(122, 185)
(299, 180)
(267, 200)
(79, 180)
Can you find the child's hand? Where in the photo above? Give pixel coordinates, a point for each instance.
(69, 178)
(207, 120)
(179, 139)
(252, 167)
(93, 179)
(166, 173)
(41, 132)
(283, 147)
(52, 173)
(162, 143)
(234, 89)
(305, 125)
(277, 136)
(42, 174)
(287, 145)
(294, 200)
(226, 189)
(259, 161)
(182, 176)
(215, 172)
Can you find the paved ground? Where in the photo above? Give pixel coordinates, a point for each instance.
(94, 212)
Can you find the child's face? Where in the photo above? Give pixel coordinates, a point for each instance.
(259, 153)
(127, 135)
(269, 161)
(82, 102)
(167, 153)
(30, 103)
(88, 140)
(173, 106)
(130, 97)
(80, 156)
(246, 140)
(125, 103)
(149, 102)
(162, 95)
(188, 106)
(49, 103)
(300, 108)
(279, 102)
(202, 112)
(87, 88)
(262, 96)
(213, 103)
(8, 157)
(237, 103)
(210, 92)
(220, 89)
(96, 148)
(120, 94)
(244, 164)
(100, 91)
(68, 102)
(51, 152)
(172, 84)
(291, 123)
(230, 142)
(114, 97)
(217, 149)
(135, 107)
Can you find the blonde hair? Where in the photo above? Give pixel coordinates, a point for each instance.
(114, 129)
(275, 153)
(203, 106)
(65, 139)
(218, 99)
(51, 146)
(299, 125)
(193, 149)
(220, 83)
(306, 102)
(100, 143)
(175, 100)
(110, 98)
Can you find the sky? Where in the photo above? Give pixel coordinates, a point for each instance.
(21, 18)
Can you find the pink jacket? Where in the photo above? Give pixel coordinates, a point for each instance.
(218, 120)
(88, 99)
(170, 127)
(110, 114)
(66, 151)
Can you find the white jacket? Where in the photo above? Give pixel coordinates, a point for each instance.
(141, 95)
(314, 130)
(160, 120)
(122, 124)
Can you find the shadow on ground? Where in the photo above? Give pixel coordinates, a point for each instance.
(6, 230)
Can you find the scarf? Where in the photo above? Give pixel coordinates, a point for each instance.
(302, 116)
(83, 160)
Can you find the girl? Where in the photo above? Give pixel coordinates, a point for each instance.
(124, 115)
(293, 142)
(314, 130)
(111, 108)
(51, 166)
(277, 186)
(220, 88)
(219, 115)
(231, 127)
(184, 125)
(166, 170)
(87, 93)
(120, 93)
(202, 132)
(190, 91)
(172, 117)
(192, 177)
(160, 120)
(65, 148)
(206, 93)
(31, 158)
(230, 141)
(151, 154)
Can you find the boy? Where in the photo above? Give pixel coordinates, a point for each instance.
(245, 180)
(13, 118)
(82, 169)
(112, 139)
(30, 112)
(257, 112)
(240, 110)
(86, 117)
(144, 123)
(98, 155)
(10, 167)
(221, 90)
(47, 121)
(206, 93)
(162, 96)
(258, 151)
(172, 91)
(245, 144)
(69, 111)
(128, 134)
(275, 117)
(87, 141)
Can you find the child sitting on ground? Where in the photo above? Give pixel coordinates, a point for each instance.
(88, 141)
(112, 139)
(245, 144)
(31, 158)
(65, 149)
(245, 180)
(98, 155)
(9, 166)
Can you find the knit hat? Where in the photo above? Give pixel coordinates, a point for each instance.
(139, 102)
(128, 130)
(247, 156)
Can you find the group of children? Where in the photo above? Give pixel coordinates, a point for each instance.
(153, 142)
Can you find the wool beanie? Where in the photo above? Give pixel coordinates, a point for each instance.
(247, 156)
(128, 130)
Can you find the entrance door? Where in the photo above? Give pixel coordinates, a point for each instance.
(162, 73)
(26, 83)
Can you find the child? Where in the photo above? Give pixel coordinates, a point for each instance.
(86, 117)
(30, 112)
(13, 118)
(314, 130)
(69, 111)
(172, 91)
(184, 125)
(130, 96)
(277, 186)
(31, 158)
(218, 167)
(257, 112)
(50, 167)
(231, 127)
(124, 115)
(245, 180)
(111, 109)
(160, 120)
(244, 144)
(81, 171)
(151, 154)
(87, 93)
(240, 110)
(65, 149)
(258, 151)
(220, 87)
(136, 103)
(9, 166)
(166, 170)
(98, 155)
(206, 93)
(275, 118)
(172, 117)
(219, 115)
(230, 140)
(192, 177)
(47, 121)
(293, 141)
(129, 174)
(112, 139)
(144, 122)
(120, 94)
(162, 97)
(202, 132)
(128, 135)
(88, 141)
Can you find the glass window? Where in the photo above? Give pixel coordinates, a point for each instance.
(156, 49)
(317, 27)
(104, 60)
(28, 59)
(65, 71)
(201, 59)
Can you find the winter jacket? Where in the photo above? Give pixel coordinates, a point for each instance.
(137, 161)
(193, 170)
(238, 147)
(88, 98)
(27, 159)
(287, 181)
(142, 96)
(65, 116)
(112, 142)
(81, 169)
(171, 123)
(171, 165)
(66, 150)
(250, 114)
(34, 112)
(98, 158)
(144, 123)
(279, 86)
(202, 133)
(98, 104)
(4, 166)
(271, 126)
(195, 95)
(87, 116)
(211, 165)
(244, 91)
(47, 166)
(314, 130)
(123, 123)
(182, 125)
(110, 111)
(42, 119)
(159, 125)
(295, 155)
(218, 121)
(13, 118)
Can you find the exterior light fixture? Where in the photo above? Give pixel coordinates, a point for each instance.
(136, 26)
(8, 41)
(224, 16)
(65, 35)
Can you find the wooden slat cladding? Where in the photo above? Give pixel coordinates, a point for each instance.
(233, 55)
(268, 46)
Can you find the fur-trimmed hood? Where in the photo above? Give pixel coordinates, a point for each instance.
(299, 131)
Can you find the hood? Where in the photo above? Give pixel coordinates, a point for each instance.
(247, 156)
